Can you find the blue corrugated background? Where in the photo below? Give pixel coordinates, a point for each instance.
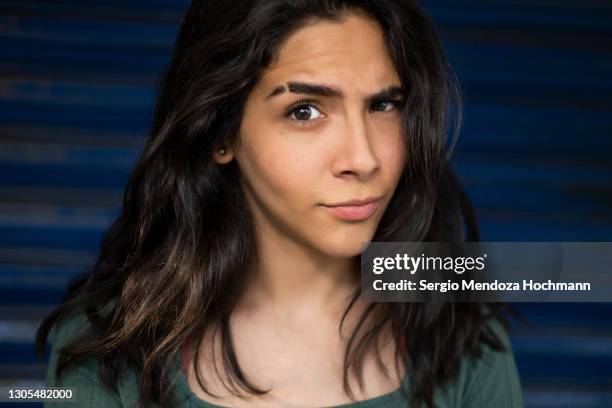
(76, 94)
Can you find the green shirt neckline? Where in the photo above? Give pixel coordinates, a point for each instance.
(184, 391)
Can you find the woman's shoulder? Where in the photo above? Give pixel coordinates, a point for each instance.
(491, 380)
(82, 377)
(66, 330)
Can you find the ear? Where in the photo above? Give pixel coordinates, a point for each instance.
(223, 154)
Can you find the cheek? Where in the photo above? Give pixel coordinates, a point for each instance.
(397, 158)
(392, 151)
(284, 169)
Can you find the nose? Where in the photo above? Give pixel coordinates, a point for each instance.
(355, 155)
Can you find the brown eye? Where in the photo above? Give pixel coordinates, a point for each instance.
(385, 106)
(303, 112)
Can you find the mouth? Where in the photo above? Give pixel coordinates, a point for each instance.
(354, 210)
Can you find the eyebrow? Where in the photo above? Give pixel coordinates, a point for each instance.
(388, 92)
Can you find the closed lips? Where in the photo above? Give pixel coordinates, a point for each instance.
(354, 203)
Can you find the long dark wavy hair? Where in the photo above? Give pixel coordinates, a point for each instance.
(170, 260)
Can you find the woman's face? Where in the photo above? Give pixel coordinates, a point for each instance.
(343, 143)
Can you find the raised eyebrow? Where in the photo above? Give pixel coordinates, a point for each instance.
(306, 88)
(324, 90)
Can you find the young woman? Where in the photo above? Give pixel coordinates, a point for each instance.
(286, 134)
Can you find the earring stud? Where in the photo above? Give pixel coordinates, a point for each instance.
(222, 151)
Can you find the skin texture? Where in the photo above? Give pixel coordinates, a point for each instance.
(285, 327)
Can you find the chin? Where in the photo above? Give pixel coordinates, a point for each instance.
(346, 246)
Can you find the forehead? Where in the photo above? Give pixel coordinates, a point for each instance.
(349, 52)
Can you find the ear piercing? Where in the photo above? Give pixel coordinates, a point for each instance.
(222, 151)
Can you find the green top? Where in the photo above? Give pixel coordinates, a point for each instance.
(492, 381)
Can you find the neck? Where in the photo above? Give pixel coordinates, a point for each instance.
(300, 282)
